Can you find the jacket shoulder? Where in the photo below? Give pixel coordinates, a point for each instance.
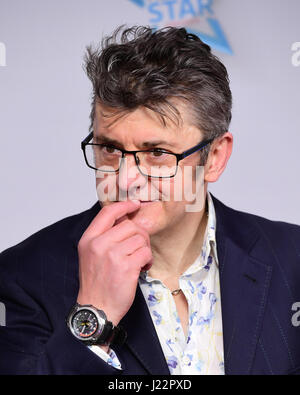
(275, 243)
(243, 220)
(279, 233)
(52, 239)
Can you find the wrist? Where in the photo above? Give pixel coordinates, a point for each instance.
(91, 326)
(111, 316)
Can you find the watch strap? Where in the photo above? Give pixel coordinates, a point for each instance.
(119, 336)
(112, 335)
(106, 334)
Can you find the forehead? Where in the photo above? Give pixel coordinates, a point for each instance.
(144, 123)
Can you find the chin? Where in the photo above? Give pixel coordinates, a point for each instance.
(147, 224)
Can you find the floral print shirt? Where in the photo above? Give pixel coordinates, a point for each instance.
(201, 351)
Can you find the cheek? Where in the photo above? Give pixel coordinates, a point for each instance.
(166, 188)
(177, 189)
(190, 183)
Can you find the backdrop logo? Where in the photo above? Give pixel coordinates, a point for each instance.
(195, 15)
(2, 55)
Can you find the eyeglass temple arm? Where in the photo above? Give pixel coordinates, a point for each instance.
(197, 148)
(86, 140)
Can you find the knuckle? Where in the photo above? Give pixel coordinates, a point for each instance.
(145, 234)
(105, 209)
(127, 222)
(81, 244)
(128, 225)
(113, 256)
(94, 246)
(145, 253)
(148, 253)
(126, 265)
(139, 239)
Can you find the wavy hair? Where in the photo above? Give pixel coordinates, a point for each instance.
(137, 66)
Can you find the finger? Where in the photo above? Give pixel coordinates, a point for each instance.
(141, 257)
(107, 216)
(119, 220)
(125, 230)
(130, 245)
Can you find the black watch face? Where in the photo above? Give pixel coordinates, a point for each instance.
(85, 324)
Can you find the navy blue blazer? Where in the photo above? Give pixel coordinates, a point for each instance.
(260, 281)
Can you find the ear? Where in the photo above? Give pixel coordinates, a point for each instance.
(218, 157)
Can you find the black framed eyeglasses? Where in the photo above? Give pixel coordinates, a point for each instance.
(154, 163)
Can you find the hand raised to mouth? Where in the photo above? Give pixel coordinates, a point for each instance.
(112, 252)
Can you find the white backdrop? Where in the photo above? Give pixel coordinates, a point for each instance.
(45, 104)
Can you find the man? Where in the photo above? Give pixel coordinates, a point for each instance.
(144, 282)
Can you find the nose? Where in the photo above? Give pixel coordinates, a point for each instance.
(129, 177)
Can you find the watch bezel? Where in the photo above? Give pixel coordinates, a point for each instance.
(101, 321)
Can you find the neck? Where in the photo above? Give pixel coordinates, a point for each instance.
(174, 250)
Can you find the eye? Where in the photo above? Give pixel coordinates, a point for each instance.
(158, 153)
(109, 149)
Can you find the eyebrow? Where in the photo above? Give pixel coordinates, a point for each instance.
(145, 144)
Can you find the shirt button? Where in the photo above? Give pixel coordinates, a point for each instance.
(186, 360)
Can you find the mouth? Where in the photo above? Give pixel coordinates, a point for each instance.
(146, 202)
(143, 202)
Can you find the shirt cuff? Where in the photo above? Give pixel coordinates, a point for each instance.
(110, 357)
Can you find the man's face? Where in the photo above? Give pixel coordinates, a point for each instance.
(164, 201)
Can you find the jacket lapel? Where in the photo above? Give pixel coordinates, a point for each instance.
(142, 339)
(245, 273)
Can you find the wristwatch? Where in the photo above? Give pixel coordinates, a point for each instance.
(91, 326)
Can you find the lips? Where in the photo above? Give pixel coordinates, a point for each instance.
(144, 202)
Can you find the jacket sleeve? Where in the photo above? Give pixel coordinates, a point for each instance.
(30, 342)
